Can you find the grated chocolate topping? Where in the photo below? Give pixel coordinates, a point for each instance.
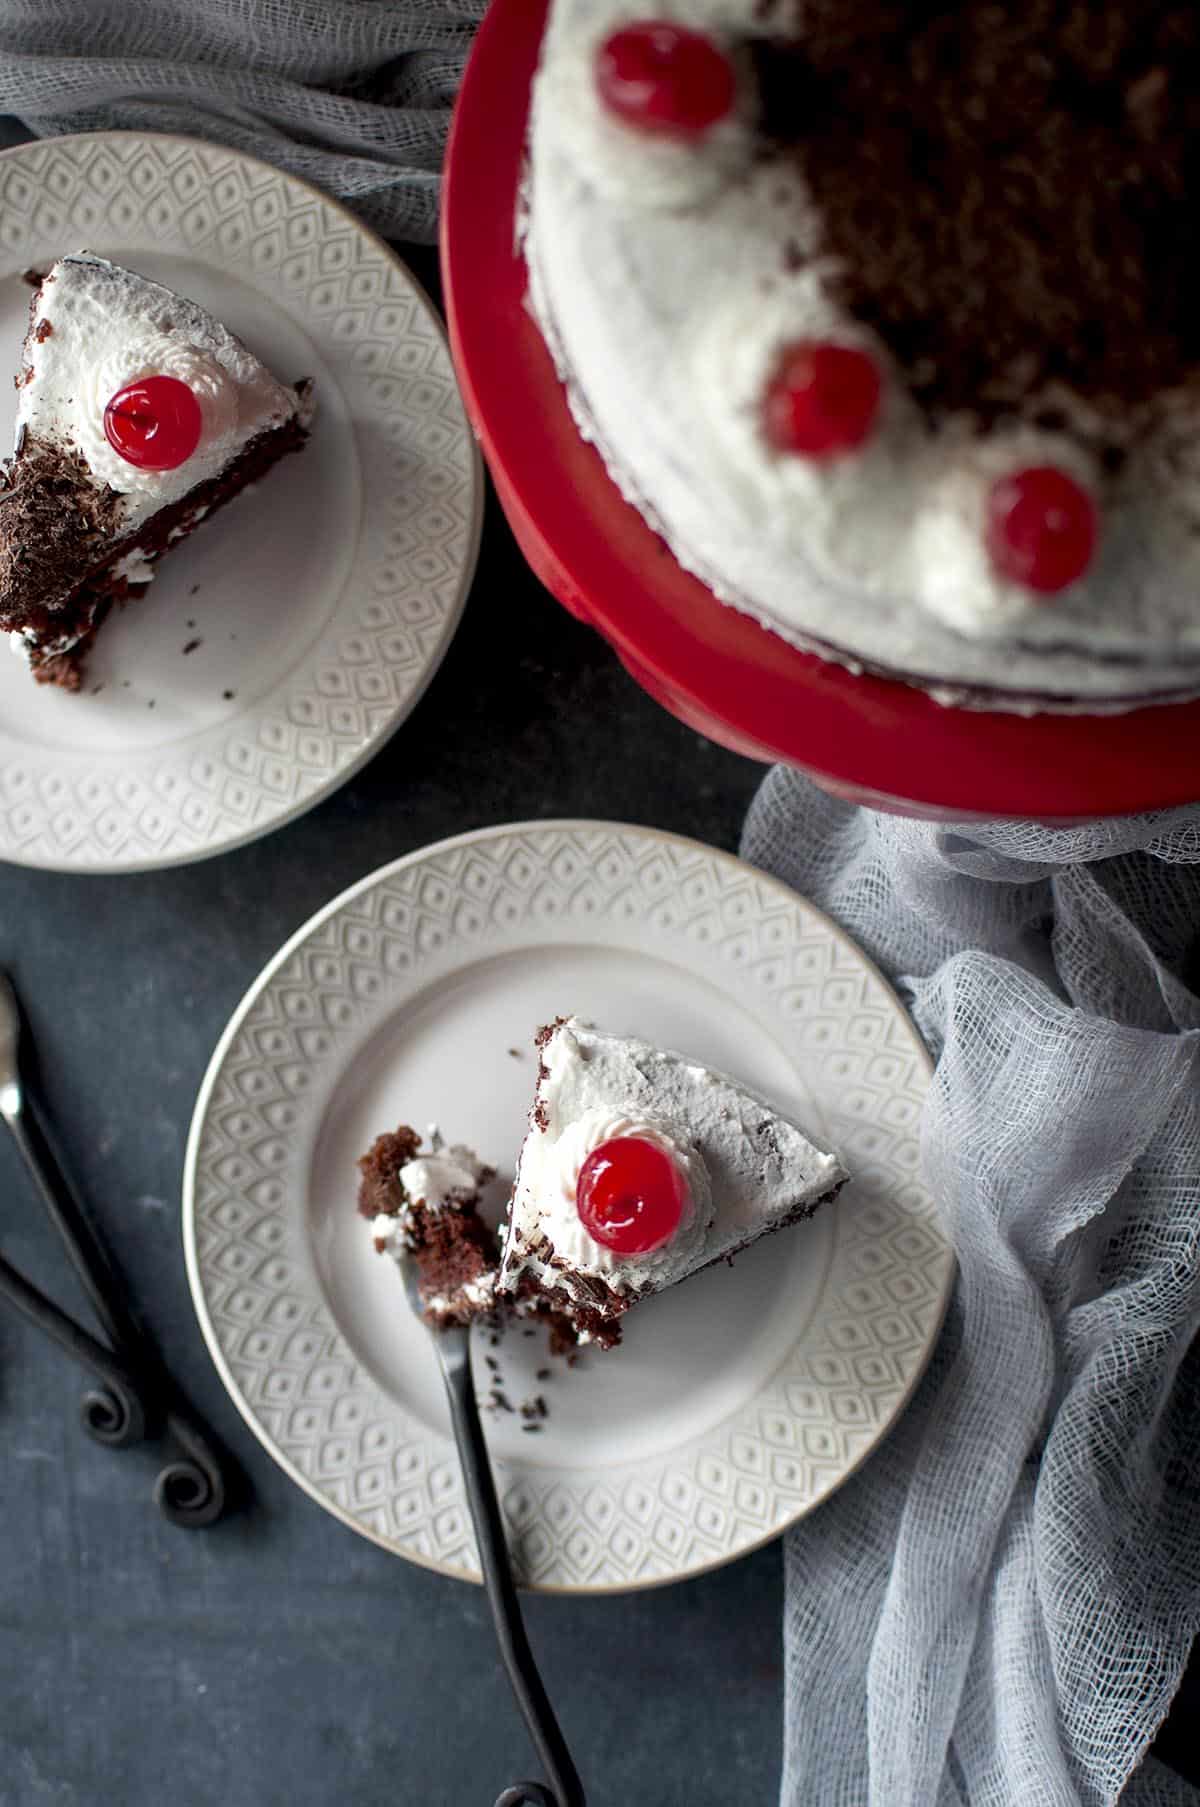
(55, 523)
(1007, 192)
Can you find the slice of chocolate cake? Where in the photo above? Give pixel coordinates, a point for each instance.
(424, 1208)
(138, 416)
(640, 1168)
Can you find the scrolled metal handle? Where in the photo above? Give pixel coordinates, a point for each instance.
(189, 1495)
(113, 1415)
(193, 1490)
(527, 1794)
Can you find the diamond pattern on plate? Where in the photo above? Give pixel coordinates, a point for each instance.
(383, 346)
(355, 1448)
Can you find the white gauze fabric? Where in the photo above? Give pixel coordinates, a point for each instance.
(354, 95)
(997, 1610)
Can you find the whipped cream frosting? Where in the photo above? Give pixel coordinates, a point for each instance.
(550, 1175)
(662, 289)
(746, 1166)
(107, 327)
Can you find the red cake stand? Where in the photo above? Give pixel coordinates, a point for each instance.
(871, 738)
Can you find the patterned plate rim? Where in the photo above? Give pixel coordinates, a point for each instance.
(534, 829)
(347, 760)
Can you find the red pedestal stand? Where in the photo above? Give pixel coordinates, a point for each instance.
(872, 738)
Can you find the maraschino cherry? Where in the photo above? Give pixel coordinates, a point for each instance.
(822, 399)
(1041, 528)
(154, 423)
(665, 79)
(630, 1195)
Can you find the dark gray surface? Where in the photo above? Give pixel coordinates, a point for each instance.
(280, 1660)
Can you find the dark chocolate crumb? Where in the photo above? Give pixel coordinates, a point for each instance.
(529, 1333)
(531, 1427)
(42, 331)
(543, 1374)
(150, 703)
(96, 689)
(191, 645)
(192, 592)
(540, 1407)
(492, 1363)
(35, 278)
(229, 695)
(516, 1054)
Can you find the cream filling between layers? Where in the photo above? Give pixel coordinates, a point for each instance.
(440, 1180)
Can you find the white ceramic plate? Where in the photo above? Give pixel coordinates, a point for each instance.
(320, 604)
(737, 1401)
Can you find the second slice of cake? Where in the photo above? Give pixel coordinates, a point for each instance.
(138, 416)
(641, 1167)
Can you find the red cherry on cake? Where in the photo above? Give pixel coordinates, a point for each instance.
(630, 1195)
(154, 423)
(662, 78)
(1041, 528)
(822, 399)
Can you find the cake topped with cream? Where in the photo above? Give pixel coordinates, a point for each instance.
(640, 1168)
(138, 414)
(886, 317)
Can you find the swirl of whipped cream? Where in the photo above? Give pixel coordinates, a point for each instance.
(851, 517)
(156, 354)
(558, 1181)
(626, 165)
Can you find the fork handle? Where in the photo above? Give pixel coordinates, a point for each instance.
(518, 1658)
(87, 1254)
(193, 1488)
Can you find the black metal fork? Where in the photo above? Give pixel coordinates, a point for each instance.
(135, 1399)
(454, 1358)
